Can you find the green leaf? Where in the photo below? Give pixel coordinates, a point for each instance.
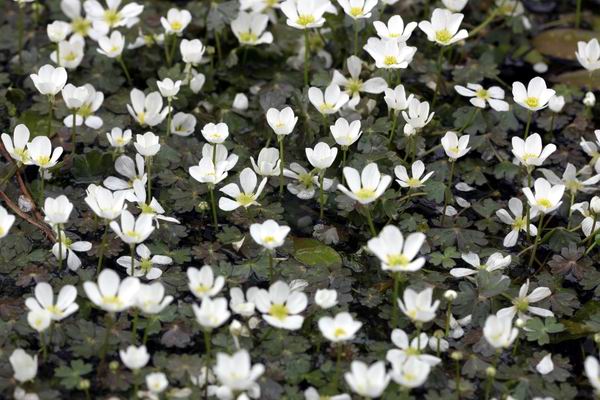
(71, 376)
(92, 166)
(313, 253)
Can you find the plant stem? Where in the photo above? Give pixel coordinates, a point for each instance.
(60, 243)
(270, 266)
(393, 129)
(439, 76)
(109, 324)
(74, 133)
(147, 330)
(572, 200)
(166, 49)
(338, 366)
(448, 317)
(125, 70)
(578, 14)
(552, 125)
(527, 207)
(43, 346)
(218, 44)
(536, 240)
(207, 347)
(321, 194)
(213, 204)
(20, 28)
(306, 56)
(485, 22)
(356, 29)
(281, 164)
(42, 184)
(448, 193)
(134, 324)
(132, 254)
(102, 248)
(370, 221)
(169, 115)
(457, 379)
(395, 291)
(50, 115)
(149, 188)
(529, 118)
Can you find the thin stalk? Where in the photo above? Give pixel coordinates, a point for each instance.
(207, 346)
(213, 204)
(42, 184)
(491, 378)
(527, 207)
(102, 248)
(147, 330)
(134, 324)
(578, 14)
(43, 346)
(20, 28)
(571, 201)
(356, 29)
(169, 115)
(529, 118)
(536, 240)
(74, 133)
(448, 317)
(306, 56)
(338, 365)
(485, 22)
(552, 124)
(457, 379)
(448, 192)
(270, 266)
(393, 129)
(218, 43)
(136, 385)
(439, 76)
(125, 70)
(166, 49)
(60, 242)
(321, 194)
(149, 188)
(50, 115)
(281, 164)
(132, 254)
(470, 120)
(370, 221)
(395, 292)
(109, 325)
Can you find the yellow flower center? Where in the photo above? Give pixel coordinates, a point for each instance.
(147, 209)
(54, 310)
(2, 231)
(85, 110)
(443, 36)
(132, 234)
(325, 107)
(279, 311)
(482, 94)
(141, 117)
(81, 26)
(365, 194)
(413, 182)
(268, 239)
(43, 160)
(339, 332)
(522, 304)
(532, 102)
(248, 37)
(111, 17)
(145, 265)
(546, 203)
(389, 60)
(70, 56)
(519, 223)
(527, 156)
(305, 19)
(176, 25)
(201, 289)
(398, 260)
(356, 11)
(112, 300)
(354, 86)
(245, 199)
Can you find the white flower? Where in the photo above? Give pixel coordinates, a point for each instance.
(85, 102)
(495, 262)
(104, 203)
(249, 29)
(202, 282)
(110, 293)
(282, 122)
(269, 234)
(592, 370)
(133, 171)
(521, 304)
(530, 152)
(588, 210)
(418, 306)
(589, 100)
(322, 156)
(418, 114)
(192, 51)
(396, 99)
(57, 210)
(571, 180)
(157, 382)
(151, 298)
(44, 300)
(367, 186)
(341, 328)
(545, 366)
(305, 186)
(305, 14)
(176, 21)
(245, 197)
(535, 97)
(132, 230)
(168, 88)
(326, 298)
(443, 28)
(547, 198)
(518, 222)
(410, 372)
(390, 53)
(49, 80)
(69, 248)
(395, 29)
(236, 374)
(417, 180)
(215, 133)
(556, 103)
(6, 222)
(206, 172)
(358, 9)
(240, 102)
(148, 144)
(58, 31)
(499, 332)
(119, 138)
(354, 85)
(41, 153)
(39, 319)
(407, 349)
(480, 96)
(455, 147)
(588, 54)
(135, 358)
(394, 252)
(112, 46)
(280, 306)
(183, 124)
(145, 266)
(147, 110)
(112, 16)
(24, 366)
(71, 52)
(212, 313)
(312, 394)
(344, 133)
(268, 162)
(17, 146)
(455, 5)
(329, 102)
(81, 26)
(241, 305)
(368, 381)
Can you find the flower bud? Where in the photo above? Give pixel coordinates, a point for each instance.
(589, 100)
(456, 355)
(490, 371)
(450, 295)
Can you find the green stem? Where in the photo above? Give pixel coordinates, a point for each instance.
(578, 14)
(213, 204)
(457, 379)
(356, 29)
(393, 128)
(60, 242)
(169, 115)
(207, 347)
(306, 56)
(42, 184)
(132, 253)
(448, 317)
(218, 44)
(166, 49)
(20, 28)
(43, 346)
(552, 125)
(529, 118)
(485, 22)
(281, 164)
(527, 206)
(536, 240)
(270, 266)
(321, 194)
(109, 325)
(338, 366)
(470, 120)
(134, 324)
(370, 221)
(440, 61)
(50, 115)
(74, 133)
(395, 293)
(102, 248)
(572, 200)
(147, 330)
(125, 70)
(149, 188)
(448, 193)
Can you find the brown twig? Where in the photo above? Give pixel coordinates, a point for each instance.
(15, 208)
